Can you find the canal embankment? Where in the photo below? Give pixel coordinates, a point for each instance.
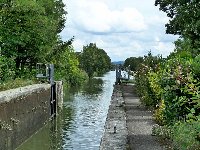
(80, 124)
(132, 121)
(23, 111)
(115, 134)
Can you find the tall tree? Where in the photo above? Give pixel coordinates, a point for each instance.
(184, 18)
(94, 60)
(29, 30)
(67, 65)
(133, 62)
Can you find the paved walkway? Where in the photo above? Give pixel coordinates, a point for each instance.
(139, 122)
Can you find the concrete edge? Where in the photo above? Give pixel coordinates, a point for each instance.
(115, 129)
(8, 95)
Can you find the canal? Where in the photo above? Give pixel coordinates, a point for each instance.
(80, 125)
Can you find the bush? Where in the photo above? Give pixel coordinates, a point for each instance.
(181, 90)
(196, 66)
(6, 68)
(145, 80)
(186, 136)
(172, 87)
(159, 113)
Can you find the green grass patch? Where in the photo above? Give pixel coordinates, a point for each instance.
(181, 136)
(186, 135)
(11, 84)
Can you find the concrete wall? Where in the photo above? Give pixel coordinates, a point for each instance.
(59, 94)
(22, 112)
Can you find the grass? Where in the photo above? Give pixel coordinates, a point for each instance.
(186, 135)
(11, 84)
(181, 136)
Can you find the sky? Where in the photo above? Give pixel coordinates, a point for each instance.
(123, 28)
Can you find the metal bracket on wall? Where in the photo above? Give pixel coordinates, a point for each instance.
(47, 71)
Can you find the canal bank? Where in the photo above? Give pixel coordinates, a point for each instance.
(80, 124)
(129, 124)
(115, 131)
(24, 110)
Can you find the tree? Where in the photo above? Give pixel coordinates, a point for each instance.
(94, 60)
(29, 30)
(67, 66)
(184, 18)
(55, 10)
(133, 62)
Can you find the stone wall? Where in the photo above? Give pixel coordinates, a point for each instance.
(22, 112)
(59, 94)
(115, 131)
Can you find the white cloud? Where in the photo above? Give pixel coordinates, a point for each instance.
(163, 48)
(122, 28)
(90, 16)
(78, 44)
(96, 16)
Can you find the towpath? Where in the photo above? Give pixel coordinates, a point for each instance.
(139, 122)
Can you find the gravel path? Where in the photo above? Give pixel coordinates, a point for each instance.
(139, 122)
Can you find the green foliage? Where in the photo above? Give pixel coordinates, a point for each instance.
(196, 66)
(154, 81)
(94, 60)
(173, 89)
(133, 62)
(29, 34)
(144, 87)
(186, 136)
(6, 69)
(172, 86)
(184, 18)
(29, 31)
(159, 113)
(176, 75)
(11, 84)
(67, 66)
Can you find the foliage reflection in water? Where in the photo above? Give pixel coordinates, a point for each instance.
(80, 125)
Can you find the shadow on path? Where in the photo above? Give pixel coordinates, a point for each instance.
(139, 122)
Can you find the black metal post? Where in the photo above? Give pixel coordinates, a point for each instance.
(53, 90)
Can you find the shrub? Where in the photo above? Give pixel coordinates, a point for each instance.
(6, 68)
(186, 136)
(158, 113)
(172, 87)
(144, 80)
(181, 90)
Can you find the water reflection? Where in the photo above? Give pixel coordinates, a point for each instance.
(48, 138)
(81, 124)
(93, 87)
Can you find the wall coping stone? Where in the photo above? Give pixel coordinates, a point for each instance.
(8, 95)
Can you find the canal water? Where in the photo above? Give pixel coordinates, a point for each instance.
(80, 125)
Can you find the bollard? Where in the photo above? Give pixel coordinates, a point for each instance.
(115, 128)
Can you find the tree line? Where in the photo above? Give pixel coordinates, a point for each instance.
(29, 34)
(171, 86)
